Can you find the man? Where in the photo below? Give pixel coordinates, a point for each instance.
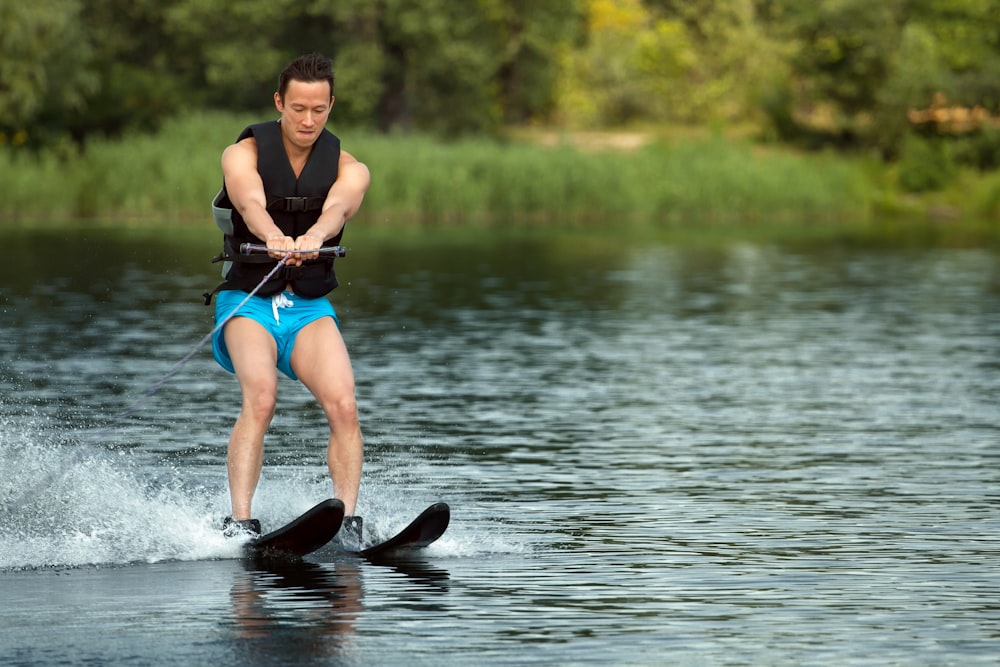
(287, 185)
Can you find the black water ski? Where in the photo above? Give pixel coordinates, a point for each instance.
(302, 536)
(421, 532)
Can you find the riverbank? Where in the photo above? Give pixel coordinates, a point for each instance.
(675, 182)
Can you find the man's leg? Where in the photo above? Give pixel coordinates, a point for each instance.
(321, 362)
(254, 354)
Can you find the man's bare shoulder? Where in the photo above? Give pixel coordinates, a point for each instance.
(241, 154)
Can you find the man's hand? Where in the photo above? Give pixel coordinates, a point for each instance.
(279, 245)
(307, 242)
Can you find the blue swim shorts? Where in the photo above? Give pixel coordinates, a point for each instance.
(283, 315)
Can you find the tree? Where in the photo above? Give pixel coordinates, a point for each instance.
(860, 66)
(532, 35)
(449, 66)
(680, 61)
(46, 69)
(736, 61)
(841, 58)
(624, 68)
(229, 53)
(966, 34)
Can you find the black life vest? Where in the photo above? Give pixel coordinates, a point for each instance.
(293, 203)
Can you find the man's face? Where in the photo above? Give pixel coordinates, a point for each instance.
(304, 111)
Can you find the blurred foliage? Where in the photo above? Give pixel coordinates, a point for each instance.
(925, 164)
(446, 66)
(841, 73)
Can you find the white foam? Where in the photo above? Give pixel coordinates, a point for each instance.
(69, 504)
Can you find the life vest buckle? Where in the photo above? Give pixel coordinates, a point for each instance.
(296, 204)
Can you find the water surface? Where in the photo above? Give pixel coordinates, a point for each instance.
(655, 453)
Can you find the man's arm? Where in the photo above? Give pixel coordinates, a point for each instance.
(246, 192)
(342, 202)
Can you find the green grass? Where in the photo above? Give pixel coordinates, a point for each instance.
(692, 183)
(137, 179)
(715, 180)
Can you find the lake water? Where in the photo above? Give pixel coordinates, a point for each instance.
(743, 454)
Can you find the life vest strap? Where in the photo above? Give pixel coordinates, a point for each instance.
(295, 204)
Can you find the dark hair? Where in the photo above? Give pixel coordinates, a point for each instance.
(307, 68)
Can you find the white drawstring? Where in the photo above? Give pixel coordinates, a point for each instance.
(280, 301)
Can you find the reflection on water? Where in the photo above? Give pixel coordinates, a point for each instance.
(746, 454)
(326, 600)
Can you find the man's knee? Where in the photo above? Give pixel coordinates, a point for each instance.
(342, 411)
(260, 405)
